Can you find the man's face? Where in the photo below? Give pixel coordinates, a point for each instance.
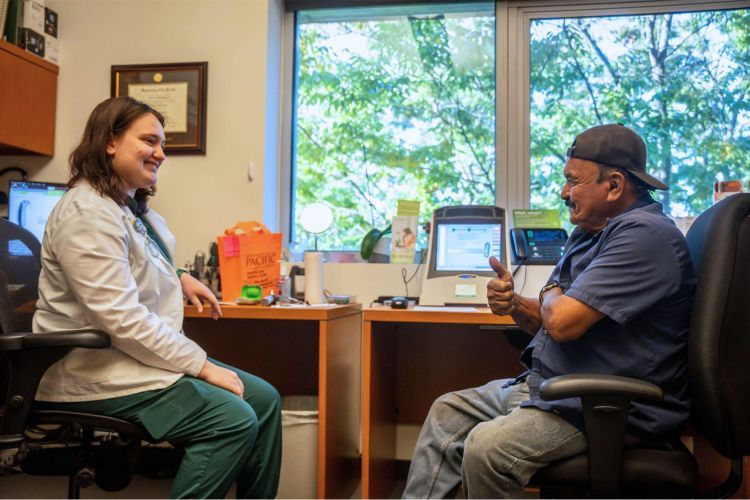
(585, 197)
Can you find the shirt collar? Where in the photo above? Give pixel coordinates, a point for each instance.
(641, 202)
(131, 203)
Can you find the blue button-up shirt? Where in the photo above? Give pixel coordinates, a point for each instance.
(636, 271)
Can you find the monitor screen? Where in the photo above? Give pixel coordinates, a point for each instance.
(467, 246)
(30, 203)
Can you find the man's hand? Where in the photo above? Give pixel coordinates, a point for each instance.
(221, 377)
(195, 291)
(500, 290)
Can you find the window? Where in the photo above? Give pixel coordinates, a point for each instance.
(681, 80)
(392, 103)
(478, 102)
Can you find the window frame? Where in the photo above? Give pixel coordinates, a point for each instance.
(512, 79)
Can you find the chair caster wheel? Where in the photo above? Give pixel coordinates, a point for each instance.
(85, 477)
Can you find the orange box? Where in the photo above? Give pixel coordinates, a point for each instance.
(249, 254)
(722, 189)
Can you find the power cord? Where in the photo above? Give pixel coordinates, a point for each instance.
(404, 272)
(525, 273)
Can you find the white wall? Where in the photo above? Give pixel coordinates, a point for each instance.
(200, 196)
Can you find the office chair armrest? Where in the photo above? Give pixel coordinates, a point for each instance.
(605, 400)
(87, 338)
(580, 385)
(29, 355)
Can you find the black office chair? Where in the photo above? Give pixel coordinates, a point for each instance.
(719, 370)
(85, 447)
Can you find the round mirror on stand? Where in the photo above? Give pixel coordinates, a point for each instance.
(316, 219)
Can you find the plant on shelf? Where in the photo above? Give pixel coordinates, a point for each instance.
(370, 240)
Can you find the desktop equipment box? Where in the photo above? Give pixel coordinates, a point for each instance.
(32, 15)
(52, 50)
(50, 23)
(31, 41)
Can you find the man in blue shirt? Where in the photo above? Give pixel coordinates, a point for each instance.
(618, 303)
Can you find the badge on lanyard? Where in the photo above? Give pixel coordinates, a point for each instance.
(151, 246)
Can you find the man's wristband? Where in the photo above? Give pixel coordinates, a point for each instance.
(546, 288)
(180, 271)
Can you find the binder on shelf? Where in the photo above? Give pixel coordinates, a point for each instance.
(10, 31)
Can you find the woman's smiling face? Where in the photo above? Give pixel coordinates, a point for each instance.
(137, 153)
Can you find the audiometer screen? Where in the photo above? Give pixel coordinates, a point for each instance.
(467, 247)
(30, 203)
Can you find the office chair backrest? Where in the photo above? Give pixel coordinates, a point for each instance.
(19, 277)
(719, 343)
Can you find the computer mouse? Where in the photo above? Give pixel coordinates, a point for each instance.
(399, 303)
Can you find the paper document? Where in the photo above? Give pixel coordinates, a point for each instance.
(449, 309)
(304, 306)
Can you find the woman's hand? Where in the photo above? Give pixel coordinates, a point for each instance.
(222, 377)
(196, 291)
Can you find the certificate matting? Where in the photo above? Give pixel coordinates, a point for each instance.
(177, 91)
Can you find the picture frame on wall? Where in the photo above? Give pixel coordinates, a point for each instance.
(178, 91)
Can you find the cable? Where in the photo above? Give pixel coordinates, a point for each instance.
(515, 271)
(404, 271)
(523, 283)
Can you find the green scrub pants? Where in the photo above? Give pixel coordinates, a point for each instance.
(226, 438)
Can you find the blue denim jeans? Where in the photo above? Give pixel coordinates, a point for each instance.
(482, 437)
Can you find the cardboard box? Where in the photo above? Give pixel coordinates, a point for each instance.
(52, 50)
(31, 41)
(50, 23)
(32, 16)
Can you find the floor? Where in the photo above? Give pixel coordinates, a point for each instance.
(26, 486)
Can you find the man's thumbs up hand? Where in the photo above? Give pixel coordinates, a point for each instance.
(500, 290)
(502, 273)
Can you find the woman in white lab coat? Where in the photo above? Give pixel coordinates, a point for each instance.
(107, 264)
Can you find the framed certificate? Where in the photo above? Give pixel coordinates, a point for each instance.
(177, 91)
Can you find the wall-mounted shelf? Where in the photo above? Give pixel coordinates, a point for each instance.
(28, 99)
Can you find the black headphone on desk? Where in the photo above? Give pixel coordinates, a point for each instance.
(24, 176)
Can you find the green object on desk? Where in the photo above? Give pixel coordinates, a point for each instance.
(252, 292)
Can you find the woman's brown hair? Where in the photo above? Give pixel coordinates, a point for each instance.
(90, 161)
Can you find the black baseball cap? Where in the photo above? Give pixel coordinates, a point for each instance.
(615, 145)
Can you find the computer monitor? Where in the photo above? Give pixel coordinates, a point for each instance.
(30, 203)
(462, 240)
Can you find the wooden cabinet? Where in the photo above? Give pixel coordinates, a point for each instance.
(28, 98)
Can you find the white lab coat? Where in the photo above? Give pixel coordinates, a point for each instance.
(99, 272)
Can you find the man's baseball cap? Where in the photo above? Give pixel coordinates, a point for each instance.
(615, 145)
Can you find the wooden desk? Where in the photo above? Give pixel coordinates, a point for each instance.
(310, 351)
(410, 358)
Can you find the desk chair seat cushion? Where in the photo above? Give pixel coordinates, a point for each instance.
(657, 473)
(101, 422)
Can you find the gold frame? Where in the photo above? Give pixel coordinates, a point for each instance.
(178, 91)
